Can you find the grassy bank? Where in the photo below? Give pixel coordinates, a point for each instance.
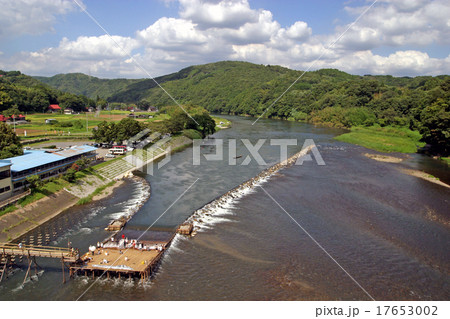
(384, 139)
(88, 199)
(46, 189)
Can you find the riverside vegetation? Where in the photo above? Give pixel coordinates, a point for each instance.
(326, 96)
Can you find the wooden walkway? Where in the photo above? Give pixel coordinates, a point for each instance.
(9, 251)
(39, 251)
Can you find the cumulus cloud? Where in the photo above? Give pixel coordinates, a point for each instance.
(214, 30)
(404, 63)
(31, 16)
(220, 14)
(171, 33)
(399, 23)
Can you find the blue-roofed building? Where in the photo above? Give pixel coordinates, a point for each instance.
(45, 163)
(5, 179)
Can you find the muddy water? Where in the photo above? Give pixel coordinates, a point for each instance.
(388, 230)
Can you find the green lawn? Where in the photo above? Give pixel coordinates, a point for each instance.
(384, 139)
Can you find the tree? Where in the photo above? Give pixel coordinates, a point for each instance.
(72, 101)
(105, 132)
(34, 181)
(206, 124)
(70, 175)
(435, 127)
(127, 128)
(9, 142)
(11, 111)
(5, 100)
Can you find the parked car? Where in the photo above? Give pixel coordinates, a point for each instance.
(110, 156)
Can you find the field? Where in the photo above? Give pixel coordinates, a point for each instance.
(82, 124)
(384, 139)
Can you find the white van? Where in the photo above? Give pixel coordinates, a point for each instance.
(117, 151)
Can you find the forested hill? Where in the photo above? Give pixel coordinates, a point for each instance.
(89, 86)
(325, 96)
(20, 93)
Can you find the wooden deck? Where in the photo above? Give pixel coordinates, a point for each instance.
(119, 262)
(131, 260)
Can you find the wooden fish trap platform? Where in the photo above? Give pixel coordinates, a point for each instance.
(185, 229)
(115, 259)
(117, 224)
(9, 252)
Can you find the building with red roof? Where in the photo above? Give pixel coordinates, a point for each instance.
(54, 108)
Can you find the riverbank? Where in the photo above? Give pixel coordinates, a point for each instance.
(87, 189)
(384, 139)
(412, 172)
(21, 221)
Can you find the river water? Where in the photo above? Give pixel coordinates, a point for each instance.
(353, 229)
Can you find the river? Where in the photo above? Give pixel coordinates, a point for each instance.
(353, 229)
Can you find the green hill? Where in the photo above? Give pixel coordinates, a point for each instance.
(89, 86)
(20, 93)
(326, 96)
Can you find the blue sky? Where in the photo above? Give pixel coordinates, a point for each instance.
(156, 37)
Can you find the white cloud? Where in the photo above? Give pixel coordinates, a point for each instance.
(400, 63)
(399, 23)
(31, 16)
(214, 30)
(171, 33)
(299, 31)
(102, 47)
(221, 14)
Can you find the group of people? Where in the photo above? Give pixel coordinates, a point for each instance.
(125, 243)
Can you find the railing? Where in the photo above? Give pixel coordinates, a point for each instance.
(69, 255)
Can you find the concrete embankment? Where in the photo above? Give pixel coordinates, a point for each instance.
(25, 219)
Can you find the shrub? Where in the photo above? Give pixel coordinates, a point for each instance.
(70, 175)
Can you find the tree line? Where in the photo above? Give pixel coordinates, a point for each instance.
(20, 93)
(326, 96)
(179, 121)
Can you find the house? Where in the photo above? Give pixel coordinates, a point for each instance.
(16, 118)
(68, 111)
(91, 109)
(54, 108)
(152, 109)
